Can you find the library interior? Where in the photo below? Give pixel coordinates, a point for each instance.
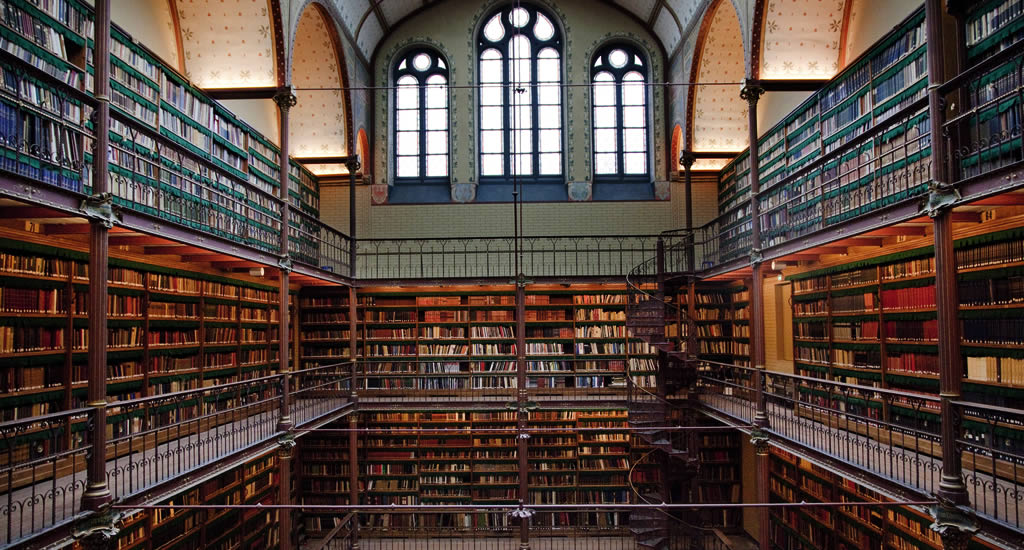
(512, 274)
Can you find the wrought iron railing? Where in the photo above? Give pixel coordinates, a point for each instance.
(319, 245)
(494, 257)
(151, 440)
(42, 471)
(892, 434)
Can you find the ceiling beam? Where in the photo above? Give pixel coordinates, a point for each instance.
(1006, 199)
(234, 264)
(13, 212)
(799, 85)
(858, 241)
(899, 231)
(209, 257)
(176, 250)
(77, 229)
(323, 160)
(957, 217)
(828, 250)
(262, 92)
(138, 241)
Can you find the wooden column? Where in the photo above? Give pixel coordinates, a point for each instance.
(752, 93)
(353, 418)
(284, 492)
(521, 420)
(687, 161)
(285, 101)
(952, 489)
(353, 166)
(97, 494)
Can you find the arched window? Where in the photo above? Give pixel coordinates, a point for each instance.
(421, 117)
(619, 78)
(520, 56)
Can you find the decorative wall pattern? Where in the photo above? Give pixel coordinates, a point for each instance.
(170, 44)
(801, 38)
(318, 121)
(228, 43)
(719, 115)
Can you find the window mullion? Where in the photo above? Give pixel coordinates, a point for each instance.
(535, 110)
(620, 129)
(423, 130)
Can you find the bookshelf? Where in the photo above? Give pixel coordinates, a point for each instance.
(990, 27)
(718, 477)
(253, 482)
(469, 456)
(886, 80)
(794, 479)
(465, 339)
(721, 314)
(216, 161)
(871, 321)
(170, 329)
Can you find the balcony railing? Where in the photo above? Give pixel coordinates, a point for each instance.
(151, 441)
(892, 434)
(319, 245)
(494, 257)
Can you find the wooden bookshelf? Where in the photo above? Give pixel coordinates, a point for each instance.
(170, 330)
(253, 482)
(470, 457)
(465, 339)
(718, 477)
(793, 479)
(888, 78)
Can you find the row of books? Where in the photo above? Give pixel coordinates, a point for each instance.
(982, 24)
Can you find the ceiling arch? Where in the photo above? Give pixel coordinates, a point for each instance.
(718, 116)
(803, 38)
(319, 121)
(228, 43)
(369, 21)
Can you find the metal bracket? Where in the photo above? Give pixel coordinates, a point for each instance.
(522, 281)
(755, 256)
(284, 263)
(100, 208)
(941, 198)
(97, 531)
(521, 513)
(759, 439)
(286, 442)
(954, 525)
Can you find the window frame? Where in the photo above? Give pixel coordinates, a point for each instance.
(503, 46)
(407, 56)
(618, 74)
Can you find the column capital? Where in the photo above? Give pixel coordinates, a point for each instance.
(353, 164)
(285, 99)
(751, 91)
(941, 198)
(955, 525)
(687, 158)
(98, 531)
(759, 439)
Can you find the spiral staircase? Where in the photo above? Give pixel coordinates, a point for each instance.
(649, 411)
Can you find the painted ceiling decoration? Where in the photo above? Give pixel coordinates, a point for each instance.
(317, 125)
(719, 114)
(227, 43)
(802, 39)
(369, 21)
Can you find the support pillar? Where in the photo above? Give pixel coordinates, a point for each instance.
(98, 208)
(752, 93)
(687, 159)
(353, 165)
(285, 101)
(284, 492)
(353, 476)
(353, 417)
(522, 416)
(761, 451)
(955, 525)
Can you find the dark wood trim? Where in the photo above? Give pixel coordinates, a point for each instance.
(757, 38)
(173, 5)
(267, 92)
(280, 53)
(844, 33)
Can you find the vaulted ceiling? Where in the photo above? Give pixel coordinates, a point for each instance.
(369, 21)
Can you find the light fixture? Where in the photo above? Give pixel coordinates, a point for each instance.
(256, 271)
(777, 265)
(780, 276)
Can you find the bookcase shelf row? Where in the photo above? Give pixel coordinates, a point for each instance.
(470, 457)
(170, 329)
(252, 483)
(55, 38)
(873, 322)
